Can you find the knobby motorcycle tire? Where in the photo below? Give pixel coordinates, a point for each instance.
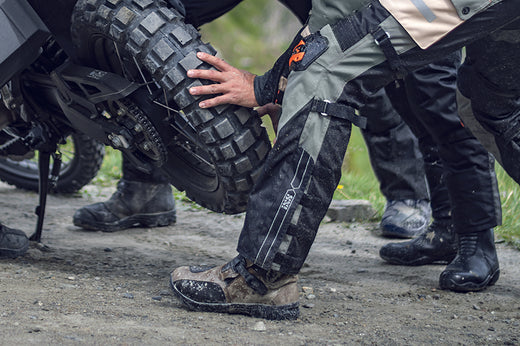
(156, 38)
(81, 163)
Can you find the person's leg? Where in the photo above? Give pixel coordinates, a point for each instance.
(13, 242)
(299, 179)
(399, 167)
(430, 100)
(490, 81)
(284, 212)
(141, 200)
(469, 173)
(467, 164)
(144, 199)
(476, 249)
(490, 78)
(438, 243)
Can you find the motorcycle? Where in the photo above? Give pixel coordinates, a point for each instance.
(114, 72)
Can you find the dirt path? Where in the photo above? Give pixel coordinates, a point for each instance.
(102, 288)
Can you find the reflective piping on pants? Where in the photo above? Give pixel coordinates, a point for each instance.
(284, 207)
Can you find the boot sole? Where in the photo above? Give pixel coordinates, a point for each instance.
(390, 231)
(13, 253)
(269, 312)
(138, 220)
(470, 286)
(424, 260)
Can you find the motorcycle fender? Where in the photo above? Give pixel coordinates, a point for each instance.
(21, 34)
(98, 86)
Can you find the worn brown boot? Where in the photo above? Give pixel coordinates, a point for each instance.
(238, 287)
(134, 204)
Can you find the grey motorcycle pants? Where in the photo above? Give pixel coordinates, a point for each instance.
(304, 167)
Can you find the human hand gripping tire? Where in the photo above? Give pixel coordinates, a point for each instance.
(232, 85)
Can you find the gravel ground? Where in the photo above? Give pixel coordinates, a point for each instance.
(112, 288)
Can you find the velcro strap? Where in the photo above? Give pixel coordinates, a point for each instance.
(344, 34)
(338, 110)
(347, 37)
(382, 39)
(252, 281)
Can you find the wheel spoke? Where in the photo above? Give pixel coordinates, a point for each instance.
(142, 76)
(122, 66)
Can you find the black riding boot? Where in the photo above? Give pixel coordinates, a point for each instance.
(437, 245)
(133, 204)
(476, 264)
(13, 242)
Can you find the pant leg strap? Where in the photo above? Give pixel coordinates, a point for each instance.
(382, 39)
(338, 110)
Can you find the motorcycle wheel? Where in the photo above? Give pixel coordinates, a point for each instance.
(82, 158)
(215, 155)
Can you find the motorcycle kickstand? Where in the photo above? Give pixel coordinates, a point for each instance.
(43, 187)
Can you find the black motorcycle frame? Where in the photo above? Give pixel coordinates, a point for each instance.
(72, 90)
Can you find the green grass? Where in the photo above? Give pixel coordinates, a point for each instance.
(358, 180)
(253, 35)
(111, 169)
(509, 195)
